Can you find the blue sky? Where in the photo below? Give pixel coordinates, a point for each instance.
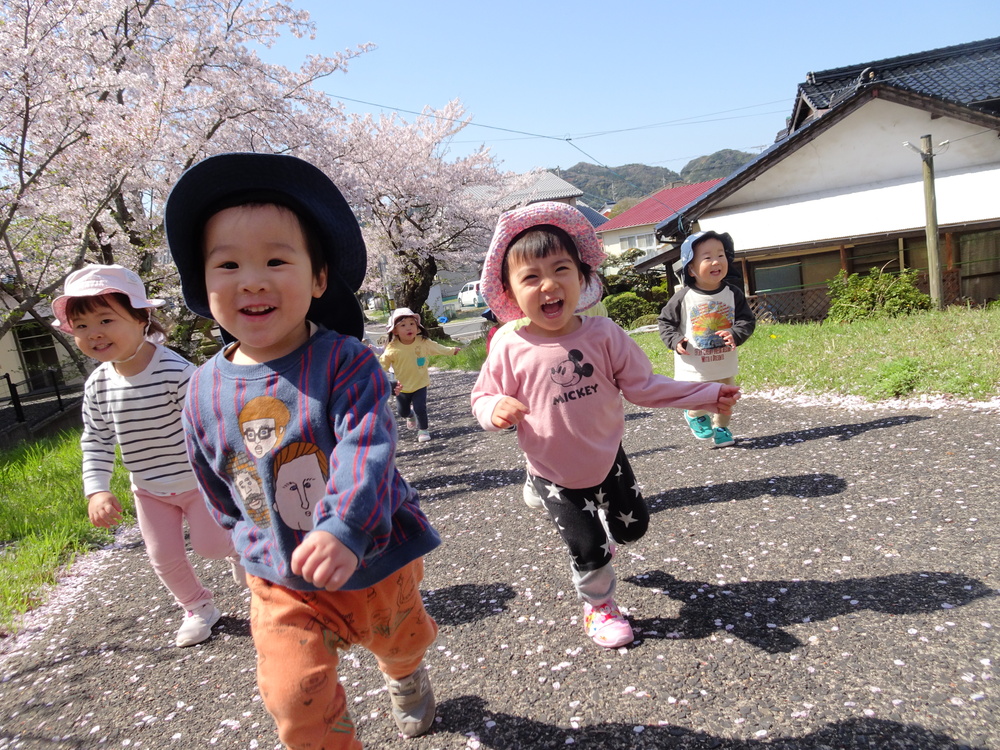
(652, 82)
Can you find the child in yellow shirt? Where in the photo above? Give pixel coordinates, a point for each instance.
(407, 352)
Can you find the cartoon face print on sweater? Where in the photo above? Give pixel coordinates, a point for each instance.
(569, 375)
(262, 424)
(300, 474)
(707, 319)
(244, 477)
(571, 371)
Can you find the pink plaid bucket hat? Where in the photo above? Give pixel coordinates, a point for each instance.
(511, 224)
(95, 280)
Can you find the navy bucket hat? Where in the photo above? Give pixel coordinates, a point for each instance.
(687, 255)
(234, 179)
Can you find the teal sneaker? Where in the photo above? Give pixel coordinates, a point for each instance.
(700, 426)
(722, 437)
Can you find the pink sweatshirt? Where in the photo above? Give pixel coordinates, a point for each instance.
(573, 388)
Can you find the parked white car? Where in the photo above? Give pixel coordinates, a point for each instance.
(470, 296)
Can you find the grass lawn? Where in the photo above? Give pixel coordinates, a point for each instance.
(43, 514)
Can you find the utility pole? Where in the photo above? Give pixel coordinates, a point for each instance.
(926, 152)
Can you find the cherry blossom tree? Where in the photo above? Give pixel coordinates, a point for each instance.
(103, 103)
(420, 210)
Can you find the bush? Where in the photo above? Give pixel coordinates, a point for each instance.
(879, 294)
(644, 320)
(628, 306)
(896, 378)
(659, 294)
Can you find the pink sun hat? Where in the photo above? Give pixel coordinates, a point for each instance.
(95, 280)
(511, 224)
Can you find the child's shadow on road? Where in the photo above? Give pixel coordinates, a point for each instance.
(800, 485)
(841, 432)
(757, 612)
(470, 715)
(467, 602)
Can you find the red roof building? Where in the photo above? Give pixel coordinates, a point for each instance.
(635, 228)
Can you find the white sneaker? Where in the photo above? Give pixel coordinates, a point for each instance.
(423, 436)
(239, 572)
(197, 625)
(531, 498)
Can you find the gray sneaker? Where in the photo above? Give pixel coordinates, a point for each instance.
(413, 706)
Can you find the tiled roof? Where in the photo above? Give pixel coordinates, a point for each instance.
(596, 218)
(658, 207)
(967, 74)
(549, 187)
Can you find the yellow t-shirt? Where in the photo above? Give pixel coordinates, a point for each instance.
(409, 362)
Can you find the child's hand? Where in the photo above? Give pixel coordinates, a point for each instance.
(508, 412)
(728, 396)
(728, 338)
(681, 347)
(397, 388)
(324, 561)
(456, 350)
(104, 510)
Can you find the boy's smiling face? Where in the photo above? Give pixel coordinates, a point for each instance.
(709, 264)
(259, 280)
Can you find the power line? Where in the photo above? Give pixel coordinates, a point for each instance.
(569, 139)
(692, 120)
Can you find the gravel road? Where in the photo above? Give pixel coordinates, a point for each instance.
(830, 581)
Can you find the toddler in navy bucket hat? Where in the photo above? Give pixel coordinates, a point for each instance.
(290, 431)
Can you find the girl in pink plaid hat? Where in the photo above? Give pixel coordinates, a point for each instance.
(561, 379)
(134, 399)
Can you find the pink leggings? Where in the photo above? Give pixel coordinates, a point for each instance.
(161, 521)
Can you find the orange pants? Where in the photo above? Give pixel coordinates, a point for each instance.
(298, 635)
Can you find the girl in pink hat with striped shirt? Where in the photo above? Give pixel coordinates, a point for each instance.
(134, 400)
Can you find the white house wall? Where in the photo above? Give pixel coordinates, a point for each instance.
(10, 362)
(857, 180)
(885, 209)
(611, 239)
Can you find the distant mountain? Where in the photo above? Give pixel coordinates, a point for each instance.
(607, 185)
(602, 185)
(720, 164)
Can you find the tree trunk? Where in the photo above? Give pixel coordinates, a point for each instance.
(417, 280)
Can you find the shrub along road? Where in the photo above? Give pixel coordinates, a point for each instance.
(828, 582)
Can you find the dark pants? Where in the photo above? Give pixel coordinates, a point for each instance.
(575, 513)
(418, 401)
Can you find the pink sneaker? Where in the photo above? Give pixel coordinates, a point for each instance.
(606, 625)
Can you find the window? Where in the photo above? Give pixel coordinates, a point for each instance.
(38, 352)
(643, 242)
(777, 278)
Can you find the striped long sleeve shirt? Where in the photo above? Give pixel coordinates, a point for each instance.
(142, 414)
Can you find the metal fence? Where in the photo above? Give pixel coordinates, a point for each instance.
(26, 404)
(799, 305)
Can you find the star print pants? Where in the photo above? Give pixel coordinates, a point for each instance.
(590, 519)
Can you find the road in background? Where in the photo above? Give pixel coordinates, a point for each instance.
(463, 329)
